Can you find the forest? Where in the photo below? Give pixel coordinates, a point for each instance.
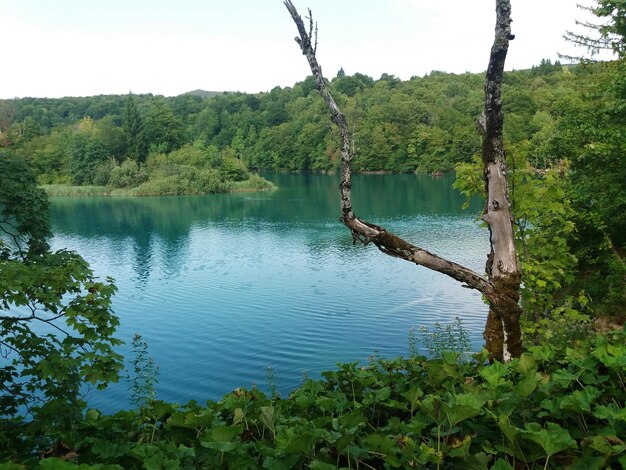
(424, 124)
(561, 403)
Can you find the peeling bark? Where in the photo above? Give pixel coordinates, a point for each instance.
(502, 333)
(501, 285)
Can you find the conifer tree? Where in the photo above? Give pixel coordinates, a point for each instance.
(132, 125)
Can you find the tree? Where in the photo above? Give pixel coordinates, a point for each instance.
(86, 152)
(607, 36)
(164, 131)
(501, 285)
(132, 126)
(597, 177)
(56, 323)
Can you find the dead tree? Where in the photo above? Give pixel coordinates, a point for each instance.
(501, 283)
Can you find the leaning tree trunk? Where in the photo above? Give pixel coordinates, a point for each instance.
(501, 284)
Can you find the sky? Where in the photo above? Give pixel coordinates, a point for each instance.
(56, 48)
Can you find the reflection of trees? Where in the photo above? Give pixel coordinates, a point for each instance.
(390, 196)
(300, 199)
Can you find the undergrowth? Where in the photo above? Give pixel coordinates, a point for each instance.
(555, 407)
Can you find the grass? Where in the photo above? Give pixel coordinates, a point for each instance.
(254, 183)
(69, 190)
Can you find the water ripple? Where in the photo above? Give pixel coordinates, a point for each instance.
(222, 296)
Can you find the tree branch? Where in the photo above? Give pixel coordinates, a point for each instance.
(363, 231)
(501, 287)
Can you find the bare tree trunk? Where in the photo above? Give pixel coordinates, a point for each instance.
(502, 332)
(501, 286)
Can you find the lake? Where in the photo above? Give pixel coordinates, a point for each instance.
(226, 287)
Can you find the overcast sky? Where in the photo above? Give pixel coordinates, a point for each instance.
(55, 48)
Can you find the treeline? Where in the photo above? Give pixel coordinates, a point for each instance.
(424, 124)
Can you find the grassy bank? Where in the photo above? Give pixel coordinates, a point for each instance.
(170, 186)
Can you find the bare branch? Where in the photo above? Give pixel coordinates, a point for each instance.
(502, 333)
(8, 346)
(501, 288)
(53, 325)
(362, 231)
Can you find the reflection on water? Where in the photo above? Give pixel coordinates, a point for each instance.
(224, 286)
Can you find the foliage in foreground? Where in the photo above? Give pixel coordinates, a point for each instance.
(56, 323)
(555, 407)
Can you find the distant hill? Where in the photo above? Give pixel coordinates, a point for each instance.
(204, 93)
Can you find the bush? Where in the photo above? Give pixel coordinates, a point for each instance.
(183, 180)
(551, 408)
(233, 169)
(102, 172)
(127, 175)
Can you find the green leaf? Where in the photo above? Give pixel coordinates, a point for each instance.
(379, 442)
(494, 373)
(220, 446)
(238, 416)
(553, 439)
(478, 461)
(542, 353)
(318, 465)
(501, 465)
(224, 433)
(611, 355)
(588, 462)
(296, 440)
(610, 412)
(563, 377)
(528, 383)
(55, 464)
(526, 363)
(580, 400)
(268, 417)
(605, 445)
(462, 407)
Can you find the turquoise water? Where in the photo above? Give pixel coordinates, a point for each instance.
(223, 287)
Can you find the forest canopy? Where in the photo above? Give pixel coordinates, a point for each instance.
(423, 124)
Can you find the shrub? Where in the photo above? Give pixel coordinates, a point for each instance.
(102, 172)
(232, 169)
(127, 175)
(554, 407)
(183, 180)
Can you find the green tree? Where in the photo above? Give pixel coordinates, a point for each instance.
(610, 34)
(56, 323)
(597, 186)
(132, 126)
(86, 153)
(164, 131)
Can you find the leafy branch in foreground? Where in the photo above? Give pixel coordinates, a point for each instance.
(56, 322)
(608, 35)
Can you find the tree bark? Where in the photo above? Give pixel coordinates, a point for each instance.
(501, 285)
(502, 333)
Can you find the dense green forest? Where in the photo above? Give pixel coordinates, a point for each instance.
(562, 404)
(424, 124)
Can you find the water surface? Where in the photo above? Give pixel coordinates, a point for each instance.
(223, 287)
